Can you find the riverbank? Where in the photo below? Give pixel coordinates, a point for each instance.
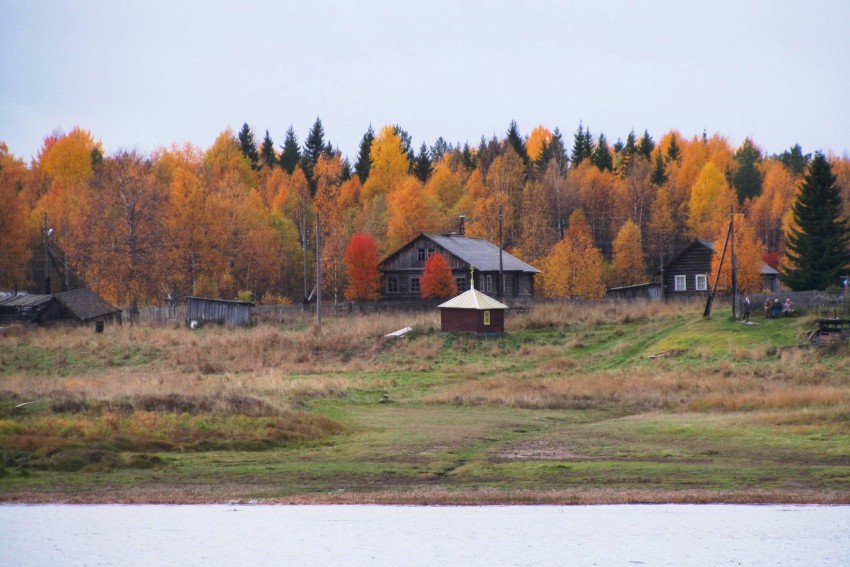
(603, 404)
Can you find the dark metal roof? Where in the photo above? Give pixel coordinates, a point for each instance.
(480, 253)
(85, 304)
(232, 301)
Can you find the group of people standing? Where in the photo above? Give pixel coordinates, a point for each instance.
(772, 308)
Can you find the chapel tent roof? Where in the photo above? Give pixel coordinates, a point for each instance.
(473, 299)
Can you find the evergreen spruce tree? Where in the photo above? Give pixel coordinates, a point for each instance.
(582, 145)
(747, 178)
(248, 145)
(468, 157)
(291, 152)
(817, 245)
(422, 166)
(439, 149)
(557, 150)
(795, 160)
(364, 159)
(601, 157)
(515, 140)
(406, 144)
(314, 146)
(267, 155)
(659, 172)
(674, 152)
(646, 145)
(345, 174)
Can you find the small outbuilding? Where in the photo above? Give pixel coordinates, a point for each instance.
(473, 312)
(206, 310)
(80, 306)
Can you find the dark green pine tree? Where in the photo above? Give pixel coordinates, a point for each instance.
(516, 141)
(439, 149)
(345, 174)
(601, 157)
(659, 172)
(249, 146)
(553, 151)
(314, 146)
(364, 156)
(267, 155)
(422, 166)
(817, 246)
(406, 144)
(747, 178)
(674, 152)
(581, 149)
(795, 160)
(468, 157)
(291, 152)
(646, 145)
(487, 152)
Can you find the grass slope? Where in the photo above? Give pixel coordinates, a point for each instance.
(575, 404)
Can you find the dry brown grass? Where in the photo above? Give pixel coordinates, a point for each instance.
(578, 314)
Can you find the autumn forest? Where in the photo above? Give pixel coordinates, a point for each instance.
(238, 219)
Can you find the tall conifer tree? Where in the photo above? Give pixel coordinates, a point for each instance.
(267, 155)
(517, 143)
(248, 145)
(817, 245)
(422, 165)
(364, 159)
(291, 154)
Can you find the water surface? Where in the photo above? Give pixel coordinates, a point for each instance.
(675, 535)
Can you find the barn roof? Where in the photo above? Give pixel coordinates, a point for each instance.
(482, 254)
(25, 301)
(473, 299)
(85, 304)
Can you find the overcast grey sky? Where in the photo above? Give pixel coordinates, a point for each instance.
(153, 73)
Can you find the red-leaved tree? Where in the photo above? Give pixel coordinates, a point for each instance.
(437, 279)
(361, 260)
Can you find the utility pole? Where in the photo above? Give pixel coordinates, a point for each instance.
(45, 233)
(707, 312)
(734, 264)
(318, 272)
(501, 286)
(305, 235)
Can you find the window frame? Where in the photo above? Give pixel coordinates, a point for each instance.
(461, 283)
(486, 317)
(392, 282)
(680, 278)
(418, 284)
(701, 278)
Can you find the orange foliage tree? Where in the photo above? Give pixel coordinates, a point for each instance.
(361, 261)
(573, 269)
(15, 251)
(749, 251)
(438, 282)
(628, 263)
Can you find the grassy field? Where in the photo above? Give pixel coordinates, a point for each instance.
(575, 404)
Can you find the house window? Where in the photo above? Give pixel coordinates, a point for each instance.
(680, 284)
(486, 318)
(414, 284)
(488, 283)
(421, 254)
(431, 252)
(702, 282)
(392, 284)
(460, 282)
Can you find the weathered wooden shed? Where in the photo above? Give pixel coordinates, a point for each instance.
(22, 307)
(206, 310)
(473, 312)
(81, 306)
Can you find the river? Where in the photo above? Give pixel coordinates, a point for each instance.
(652, 535)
